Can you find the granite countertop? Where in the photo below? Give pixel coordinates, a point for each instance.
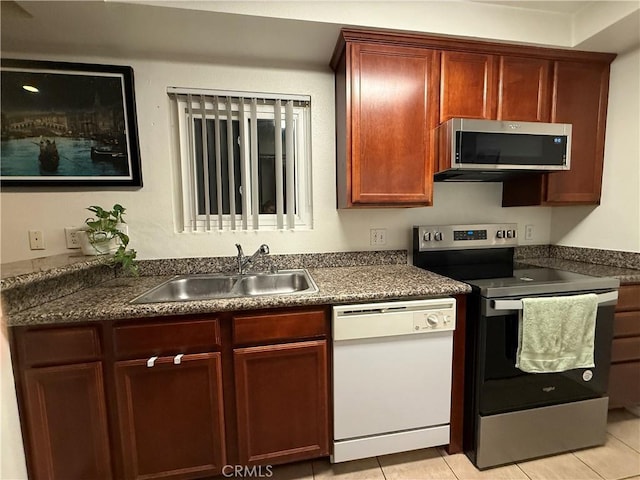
(625, 275)
(110, 300)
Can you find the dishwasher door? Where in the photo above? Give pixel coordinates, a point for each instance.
(392, 367)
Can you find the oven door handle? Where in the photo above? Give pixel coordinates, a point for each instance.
(517, 304)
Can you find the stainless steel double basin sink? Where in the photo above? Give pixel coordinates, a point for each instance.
(183, 288)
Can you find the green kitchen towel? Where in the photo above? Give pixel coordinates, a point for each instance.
(556, 334)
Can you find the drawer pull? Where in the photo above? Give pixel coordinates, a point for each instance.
(151, 362)
(177, 360)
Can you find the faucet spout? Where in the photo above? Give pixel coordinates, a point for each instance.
(244, 262)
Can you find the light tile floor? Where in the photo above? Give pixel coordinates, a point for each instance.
(618, 459)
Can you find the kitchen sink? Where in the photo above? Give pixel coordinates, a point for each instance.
(184, 288)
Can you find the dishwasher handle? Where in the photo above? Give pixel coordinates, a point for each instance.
(517, 304)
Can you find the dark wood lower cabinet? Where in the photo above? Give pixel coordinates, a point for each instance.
(171, 417)
(173, 398)
(67, 422)
(282, 402)
(624, 377)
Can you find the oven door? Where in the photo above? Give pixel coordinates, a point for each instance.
(501, 387)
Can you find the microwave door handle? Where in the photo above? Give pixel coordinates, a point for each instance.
(517, 304)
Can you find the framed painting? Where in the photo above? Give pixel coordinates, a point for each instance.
(68, 124)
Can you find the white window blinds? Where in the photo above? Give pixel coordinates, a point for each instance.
(245, 159)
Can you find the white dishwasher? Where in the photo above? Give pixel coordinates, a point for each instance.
(391, 376)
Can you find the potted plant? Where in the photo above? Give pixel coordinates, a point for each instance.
(105, 234)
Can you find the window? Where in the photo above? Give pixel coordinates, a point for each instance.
(245, 160)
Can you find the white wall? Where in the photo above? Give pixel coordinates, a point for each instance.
(615, 223)
(12, 463)
(151, 210)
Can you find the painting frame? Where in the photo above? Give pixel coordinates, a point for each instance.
(101, 137)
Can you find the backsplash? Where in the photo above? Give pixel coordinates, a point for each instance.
(593, 255)
(531, 251)
(611, 258)
(184, 266)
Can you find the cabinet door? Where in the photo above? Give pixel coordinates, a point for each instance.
(67, 421)
(171, 417)
(523, 89)
(393, 112)
(467, 86)
(282, 402)
(580, 93)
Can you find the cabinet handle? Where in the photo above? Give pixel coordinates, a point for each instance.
(177, 360)
(151, 362)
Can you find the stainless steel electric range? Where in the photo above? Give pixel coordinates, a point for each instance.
(511, 415)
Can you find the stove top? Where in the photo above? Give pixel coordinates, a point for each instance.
(540, 281)
(482, 256)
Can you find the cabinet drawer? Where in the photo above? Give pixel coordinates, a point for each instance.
(624, 385)
(626, 324)
(59, 346)
(166, 338)
(280, 326)
(628, 298)
(625, 349)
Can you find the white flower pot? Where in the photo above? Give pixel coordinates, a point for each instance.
(98, 247)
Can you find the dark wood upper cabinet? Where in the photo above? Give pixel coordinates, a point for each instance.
(67, 422)
(391, 86)
(171, 417)
(580, 93)
(579, 97)
(524, 91)
(386, 109)
(467, 85)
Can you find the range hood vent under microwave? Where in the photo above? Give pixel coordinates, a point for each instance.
(471, 150)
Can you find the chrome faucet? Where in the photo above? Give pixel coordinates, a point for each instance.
(243, 262)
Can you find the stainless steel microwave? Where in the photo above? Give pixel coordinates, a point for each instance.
(493, 150)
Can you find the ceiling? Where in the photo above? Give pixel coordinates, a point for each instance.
(549, 6)
(109, 29)
(196, 32)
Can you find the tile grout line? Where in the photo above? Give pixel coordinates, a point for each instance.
(588, 466)
(623, 442)
(440, 450)
(523, 472)
(381, 469)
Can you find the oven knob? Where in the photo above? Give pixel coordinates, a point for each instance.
(437, 236)
(500, 234)
(432, 320)
(510, 234)
(427, 237)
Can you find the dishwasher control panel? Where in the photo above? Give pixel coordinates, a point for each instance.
(389, 319)
(434, 320)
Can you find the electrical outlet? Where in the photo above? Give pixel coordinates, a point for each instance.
(528, 232)
(378, 236)
(71, 236)
(36, 240)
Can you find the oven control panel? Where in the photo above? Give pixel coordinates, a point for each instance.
(450, 237)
